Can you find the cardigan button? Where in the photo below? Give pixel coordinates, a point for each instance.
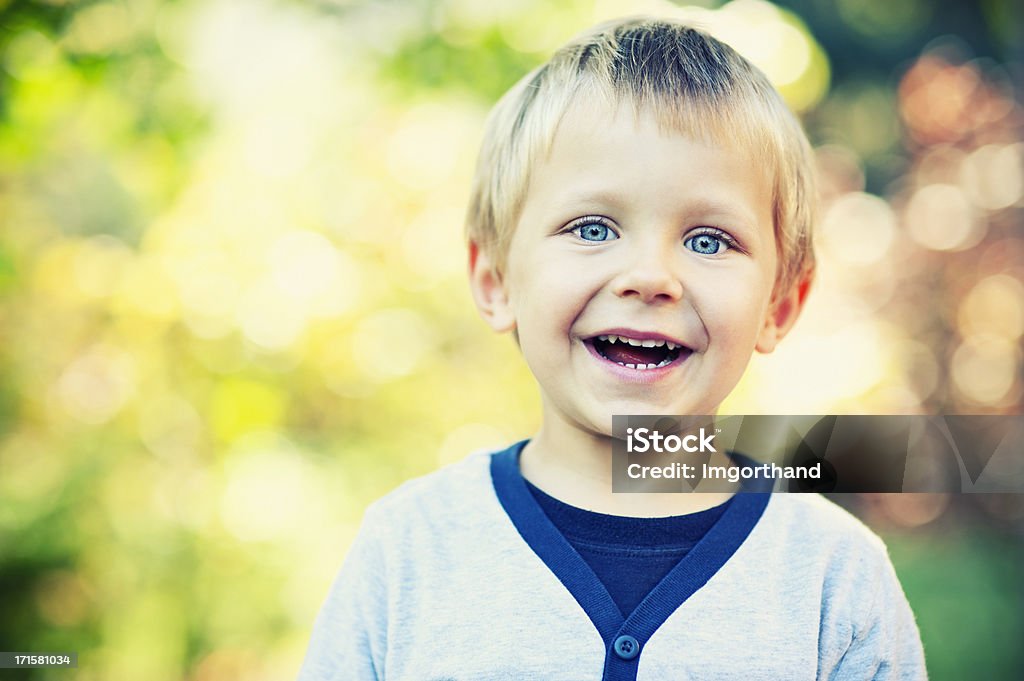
(626, 647)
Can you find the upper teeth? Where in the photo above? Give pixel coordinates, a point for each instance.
(649, 343)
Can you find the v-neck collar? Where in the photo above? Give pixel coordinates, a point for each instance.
(621, 632)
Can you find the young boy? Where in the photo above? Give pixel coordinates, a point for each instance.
(641, 220)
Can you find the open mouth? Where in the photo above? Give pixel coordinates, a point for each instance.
(633, 353)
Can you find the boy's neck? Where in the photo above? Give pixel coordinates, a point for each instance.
(575, 467)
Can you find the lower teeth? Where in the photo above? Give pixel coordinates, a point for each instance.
(645, 367)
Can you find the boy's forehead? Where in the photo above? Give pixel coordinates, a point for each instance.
(587, 119)
(581, 135)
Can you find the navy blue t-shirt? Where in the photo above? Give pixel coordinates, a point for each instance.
(629, 555)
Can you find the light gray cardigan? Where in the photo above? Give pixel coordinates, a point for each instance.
(441, 584)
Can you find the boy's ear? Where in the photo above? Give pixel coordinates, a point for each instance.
(488, 289)
(782, 314)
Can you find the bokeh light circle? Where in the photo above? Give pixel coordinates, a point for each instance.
(985, 368)
(858, 229)
(940, 217)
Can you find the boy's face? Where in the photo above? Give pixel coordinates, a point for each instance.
(629, 232)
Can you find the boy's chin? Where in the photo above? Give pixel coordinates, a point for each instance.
(601, 426)
(596, 426)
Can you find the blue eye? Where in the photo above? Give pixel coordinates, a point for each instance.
(707, 244)
(594, 231)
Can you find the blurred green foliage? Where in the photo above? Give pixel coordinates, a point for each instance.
(232, 307)
(964, 584)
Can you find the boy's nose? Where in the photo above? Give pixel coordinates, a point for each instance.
(650, 276)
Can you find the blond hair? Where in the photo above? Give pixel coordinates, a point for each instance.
(694, 84)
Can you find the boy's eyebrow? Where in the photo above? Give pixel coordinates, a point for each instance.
(697, 206)
(599, 196)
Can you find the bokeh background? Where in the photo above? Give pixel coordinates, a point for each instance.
(233, 309)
